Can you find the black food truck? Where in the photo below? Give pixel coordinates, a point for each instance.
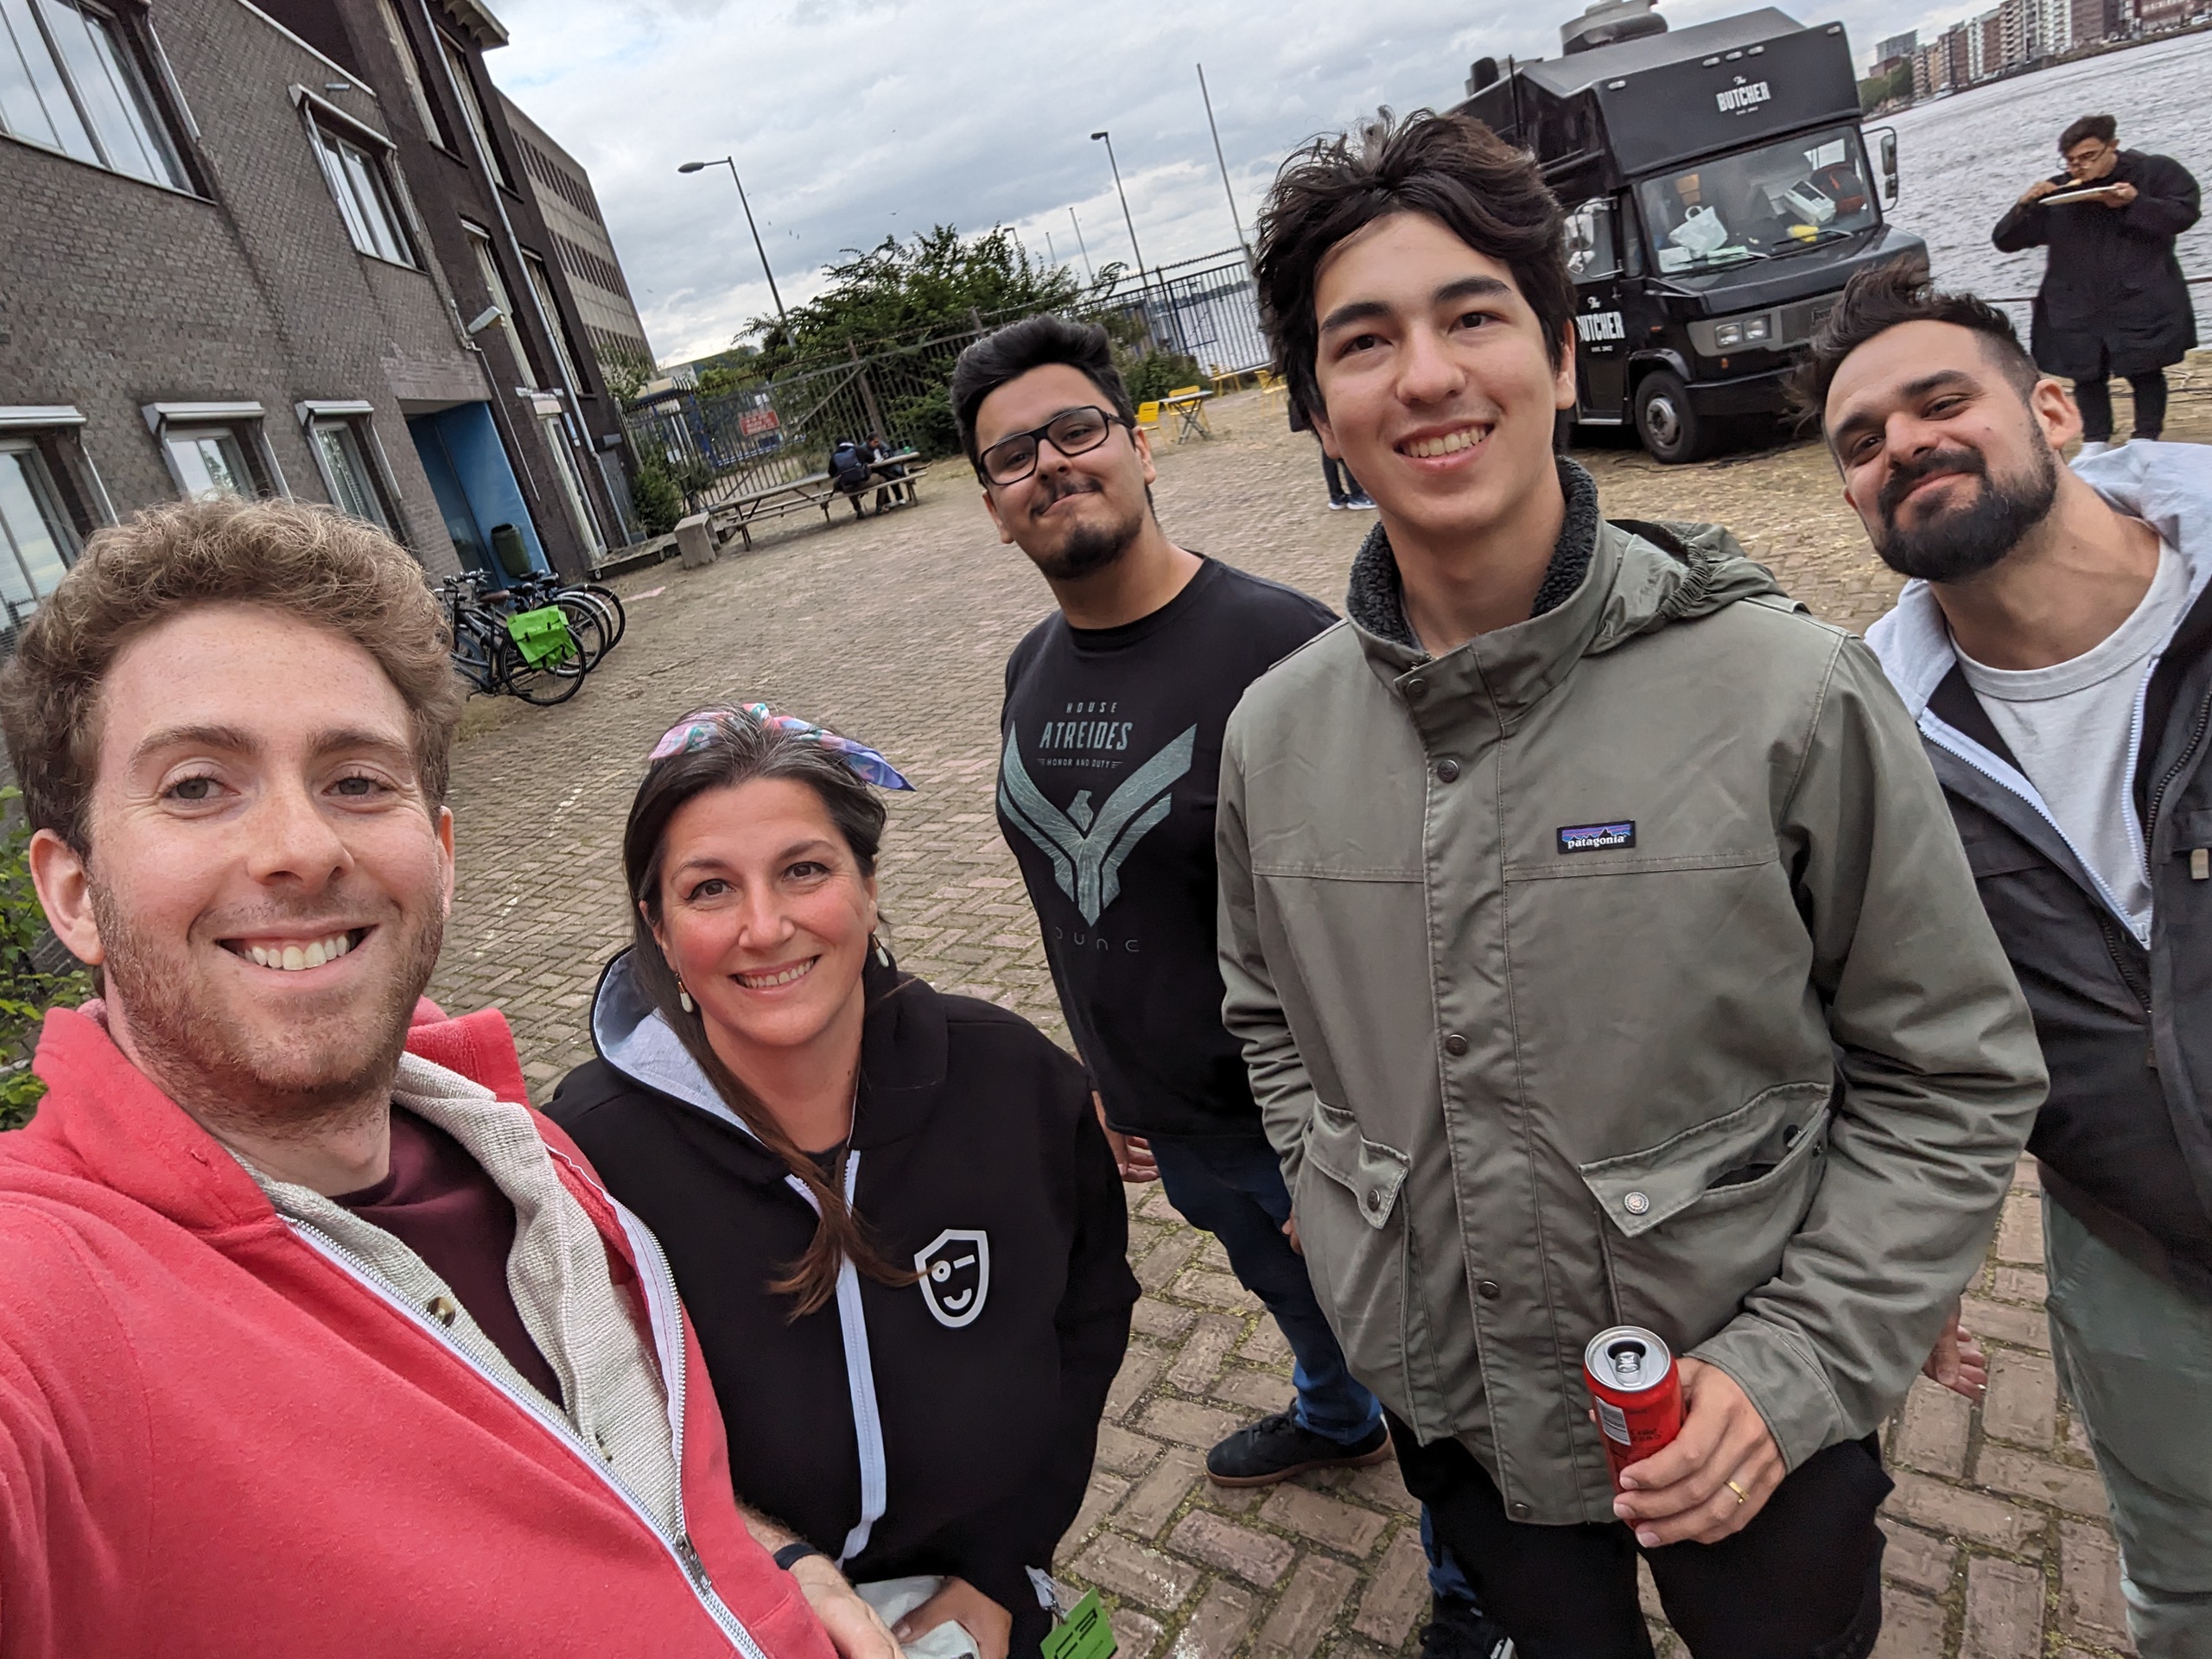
(1717, 195)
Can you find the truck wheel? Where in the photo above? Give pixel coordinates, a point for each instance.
(1671, 429)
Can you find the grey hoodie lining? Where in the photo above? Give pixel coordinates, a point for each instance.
(1376, 596)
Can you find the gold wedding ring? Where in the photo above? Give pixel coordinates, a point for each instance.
(1742, 1497)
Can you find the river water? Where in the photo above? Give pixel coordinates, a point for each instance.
(1962, 160)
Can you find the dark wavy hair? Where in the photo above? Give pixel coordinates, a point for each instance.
(1878, 299)
(1451, 168)
(1009, 353)
(741, 753)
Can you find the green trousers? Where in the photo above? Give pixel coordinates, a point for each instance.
(2135, 1356)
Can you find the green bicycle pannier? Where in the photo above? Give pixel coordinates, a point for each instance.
(541, 636)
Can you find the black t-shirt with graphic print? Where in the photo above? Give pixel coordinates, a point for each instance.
(1109, 769)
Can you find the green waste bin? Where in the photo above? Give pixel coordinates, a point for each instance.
(512, 552)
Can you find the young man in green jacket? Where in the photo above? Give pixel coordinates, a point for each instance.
(1602, 954)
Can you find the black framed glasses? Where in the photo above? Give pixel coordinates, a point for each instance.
(1072, 432)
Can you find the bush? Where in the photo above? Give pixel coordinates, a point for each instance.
(1157, 374)
(27, 989)
(658, 501)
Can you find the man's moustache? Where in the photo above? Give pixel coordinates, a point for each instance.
(1910, 476)
(1050, 496)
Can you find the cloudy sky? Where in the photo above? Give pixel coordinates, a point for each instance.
(853, 119)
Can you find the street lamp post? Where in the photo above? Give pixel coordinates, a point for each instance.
(693, 166)
(1234, 217)
(1080, 242)
(1143, 280)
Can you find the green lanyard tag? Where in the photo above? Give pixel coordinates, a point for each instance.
(1085, 1636)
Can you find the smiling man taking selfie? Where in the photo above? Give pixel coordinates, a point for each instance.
(317, 1341)
(1602, 956)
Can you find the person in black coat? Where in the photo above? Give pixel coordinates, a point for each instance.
(2112, 300)
(891, 1213)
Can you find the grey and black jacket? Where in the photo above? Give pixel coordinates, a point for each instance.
(2125, 1019)
(1620, 966)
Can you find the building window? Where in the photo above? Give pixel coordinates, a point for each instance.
(345, 452)
(541, 284)
(209, 462)
(215, 450)
(410, 69)
(487, 263)
(365, 198)
(70, 81)
(472, 107)
(37, 543)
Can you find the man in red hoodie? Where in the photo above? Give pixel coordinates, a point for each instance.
(316, 1339)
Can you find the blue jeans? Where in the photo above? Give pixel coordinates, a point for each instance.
(1231, 1186)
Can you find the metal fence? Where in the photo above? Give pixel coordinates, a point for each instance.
(782, 430)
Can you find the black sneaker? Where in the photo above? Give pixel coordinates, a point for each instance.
(1276, 1448)
(1457, 1629)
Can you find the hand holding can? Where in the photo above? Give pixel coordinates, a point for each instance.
(1637, 1392)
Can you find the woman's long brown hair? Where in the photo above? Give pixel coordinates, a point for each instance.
(739, 754)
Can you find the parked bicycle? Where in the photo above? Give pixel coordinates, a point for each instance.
(544, 666)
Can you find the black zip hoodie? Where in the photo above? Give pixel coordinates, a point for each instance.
(963, 1410)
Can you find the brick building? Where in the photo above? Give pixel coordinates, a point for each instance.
(463, 168)
(211, 280)
(613, 331)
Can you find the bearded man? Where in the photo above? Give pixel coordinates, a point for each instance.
(317, 1340)
(2054, 646)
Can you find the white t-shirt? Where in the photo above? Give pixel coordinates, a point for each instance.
(2070, 727)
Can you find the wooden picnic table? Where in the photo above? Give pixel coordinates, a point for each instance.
(740, 513)
(1192, 407)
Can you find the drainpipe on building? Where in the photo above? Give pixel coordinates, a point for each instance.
(573, 424)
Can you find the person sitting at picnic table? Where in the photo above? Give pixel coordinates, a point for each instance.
(891, 1212)
(848, 473)
(880, 452)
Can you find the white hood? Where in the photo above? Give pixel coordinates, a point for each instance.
(2169, 486)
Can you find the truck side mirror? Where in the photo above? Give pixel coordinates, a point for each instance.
(1889, 168)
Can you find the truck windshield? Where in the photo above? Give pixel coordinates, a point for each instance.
(1760, 203)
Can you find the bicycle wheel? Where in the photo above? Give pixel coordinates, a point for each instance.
(611, 602)
(587, 627)
(542, 686)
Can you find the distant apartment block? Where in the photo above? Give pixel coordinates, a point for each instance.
(612, 326)
(2017, 33)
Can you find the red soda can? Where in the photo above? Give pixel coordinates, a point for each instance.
(1638, 1391)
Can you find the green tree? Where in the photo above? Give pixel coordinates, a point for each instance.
(934, 283)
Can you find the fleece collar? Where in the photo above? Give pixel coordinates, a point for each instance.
(2168, 485)
(904, 1045)
(1376, 600)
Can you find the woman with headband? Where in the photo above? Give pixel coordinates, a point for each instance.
(891, 1212)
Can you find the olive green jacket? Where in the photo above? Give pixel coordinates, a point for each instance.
(1753, 1075)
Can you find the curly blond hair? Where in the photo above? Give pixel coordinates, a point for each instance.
(331, 572)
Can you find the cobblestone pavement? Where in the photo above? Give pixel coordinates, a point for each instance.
(897, 629)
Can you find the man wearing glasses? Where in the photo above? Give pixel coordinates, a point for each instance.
(2113, 300)
(1111, 734)
(1114, 708)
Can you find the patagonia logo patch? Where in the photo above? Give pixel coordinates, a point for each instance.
(1596, 837)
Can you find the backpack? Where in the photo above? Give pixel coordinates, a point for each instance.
(849, 468)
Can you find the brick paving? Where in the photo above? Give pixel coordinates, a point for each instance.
(897, 631)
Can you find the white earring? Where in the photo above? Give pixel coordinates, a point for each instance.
(684, 998)
(881, 955)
